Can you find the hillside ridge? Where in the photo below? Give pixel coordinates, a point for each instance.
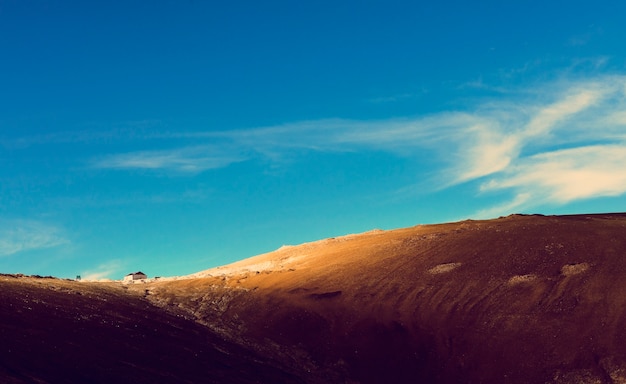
(419, 302)
(518, 299)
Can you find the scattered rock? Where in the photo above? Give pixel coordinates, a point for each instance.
(443, 268)
(518, 279)
(574, 269)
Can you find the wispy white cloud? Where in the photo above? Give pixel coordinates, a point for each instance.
(575, 101)
(477, 142)
(185, 160)
(103, 271)
(92, 133)
(26, 235)
(616, 119)
(565, 175)
(555, 142)
(576, 149)
(507, 130)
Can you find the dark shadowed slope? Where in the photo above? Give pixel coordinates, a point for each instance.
(56, 331)
(521, 299)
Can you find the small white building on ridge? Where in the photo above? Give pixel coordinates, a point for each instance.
(135, 276)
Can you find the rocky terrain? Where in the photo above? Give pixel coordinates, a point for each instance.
(519, 299)
(59, 331)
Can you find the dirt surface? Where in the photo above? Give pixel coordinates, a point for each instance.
(520, 299)
(59, 331)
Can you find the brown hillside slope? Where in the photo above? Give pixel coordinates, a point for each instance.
(521, 299)
(57, 331)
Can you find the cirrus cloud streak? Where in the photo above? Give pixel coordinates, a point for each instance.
(184, 160)
(553, 143)
(26, 235)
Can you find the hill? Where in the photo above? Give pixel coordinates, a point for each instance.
(59, 331)
(519, 299)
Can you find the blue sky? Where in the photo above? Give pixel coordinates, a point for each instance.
(174, 136)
